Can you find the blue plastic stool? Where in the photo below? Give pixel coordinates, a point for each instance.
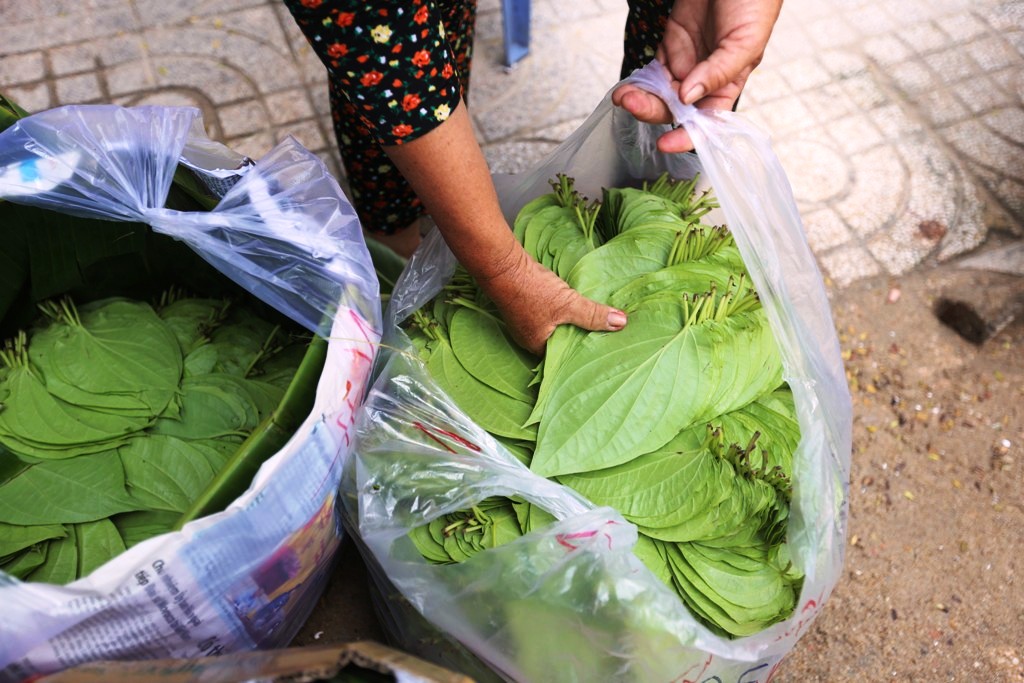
(516, 17)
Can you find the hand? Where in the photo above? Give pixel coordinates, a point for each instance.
(449, 172)
(710, 47)
(533, 301)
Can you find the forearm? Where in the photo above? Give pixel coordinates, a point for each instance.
(449, 174)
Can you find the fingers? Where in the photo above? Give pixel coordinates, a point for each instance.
(590, 315)
(641, 104)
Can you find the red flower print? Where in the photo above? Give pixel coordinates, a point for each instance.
(410, 101)
(401, 130)
(312, 4)
(345, 18)
(337, 50)
(397, 83)
(447, 71)
(421, 15)
(371, 78)
(421, 58)
(397, 48)
(362, 58)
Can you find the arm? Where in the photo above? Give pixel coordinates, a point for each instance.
(448, 171)
(710, 47)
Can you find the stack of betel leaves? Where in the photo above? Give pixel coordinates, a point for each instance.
(681, 421)
(116, 415)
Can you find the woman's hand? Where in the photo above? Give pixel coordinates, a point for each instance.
(449, 173)
(710, 47)
(533, 301)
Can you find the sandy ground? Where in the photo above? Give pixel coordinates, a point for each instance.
(932, 585)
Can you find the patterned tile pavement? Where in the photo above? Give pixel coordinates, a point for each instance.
(899, 122)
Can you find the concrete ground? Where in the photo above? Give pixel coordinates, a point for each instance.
(900, 124)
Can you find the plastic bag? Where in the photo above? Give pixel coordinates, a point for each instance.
(571, 602)
(250, 575)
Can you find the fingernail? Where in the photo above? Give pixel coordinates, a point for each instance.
(616, 320)
(694, 94)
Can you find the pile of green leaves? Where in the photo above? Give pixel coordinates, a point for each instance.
(115, 417)
(681, 421)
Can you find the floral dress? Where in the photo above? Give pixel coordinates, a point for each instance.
(396, 70)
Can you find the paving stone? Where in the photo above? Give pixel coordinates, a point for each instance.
(900, 246)
(982, 94)
(962, 27)
(887, 50)
(992, 53)
(785, 115)
(79, 89)
(914, 78)
(516, 157)
(264, 65)
(854, 94)
(878, 193)
(764, 85)
(828, 103)
(864, 92)
(952, 65)
(979, 142)
(32, 98)
(244, 118)
(843, 64)
(942, 107)
(66, 29)
(162, 12)
(825, 230)
(130, 77)
(252, 146)
(805, 74)
(924, 36)
(289, 106)
(855, 133)
(308, 134)
(848, 263)
(832, 32)
(222, 83)
(894, 122)
(818, 171)
(23, 68)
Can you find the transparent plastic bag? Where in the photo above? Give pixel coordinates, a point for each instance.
(284, 231)
(250, 575)
(572, 602)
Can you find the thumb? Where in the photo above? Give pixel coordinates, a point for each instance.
(590, 315)
(728, 63)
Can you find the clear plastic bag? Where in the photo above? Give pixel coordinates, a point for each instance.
(247, 576)
(572, 602)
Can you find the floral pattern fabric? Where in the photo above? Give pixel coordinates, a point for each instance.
(396, 70)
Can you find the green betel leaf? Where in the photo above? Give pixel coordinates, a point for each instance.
(15, 538)
(61, 564)
(682, 483)
(212, 406)
(136, 527)
(81, 489)
(98, 543)
(600, 412)
(113, 346)
(26, 562)
(192, 319)
(480, 343)
(164, 472)
(619, 261)
(36, 425)
(489, 408)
